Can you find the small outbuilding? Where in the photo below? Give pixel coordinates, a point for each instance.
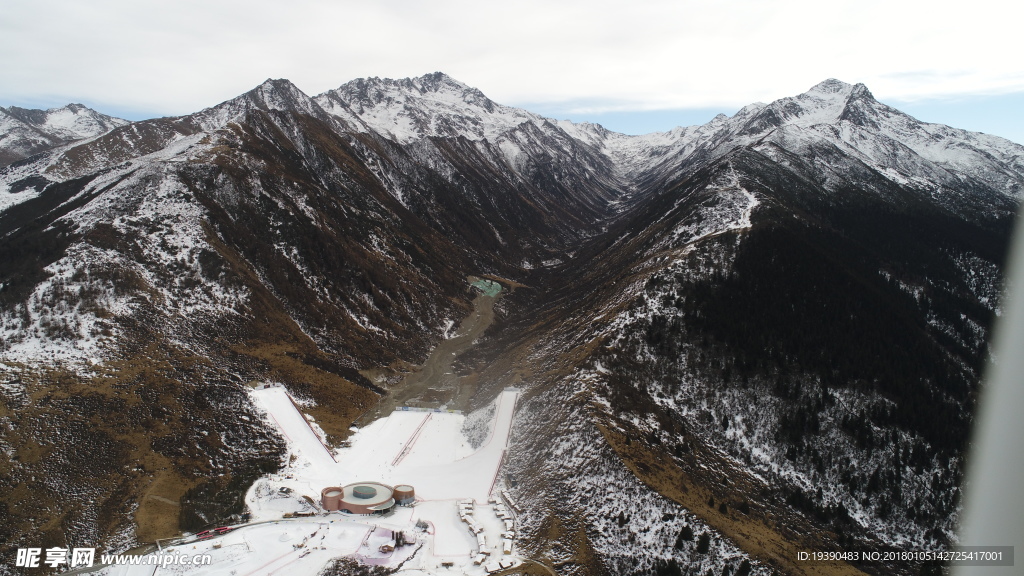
(405, 495)
(330, 498)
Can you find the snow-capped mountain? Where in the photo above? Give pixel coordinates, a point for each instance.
(24, 132)
(768, 329)
(434, 105)
(832, 119)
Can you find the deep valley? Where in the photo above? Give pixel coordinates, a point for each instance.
(733, 341)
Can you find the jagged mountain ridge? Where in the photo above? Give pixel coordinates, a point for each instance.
(831, 118)
(832, 112)
(284, 233)
(415, 108)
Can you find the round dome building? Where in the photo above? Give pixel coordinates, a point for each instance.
(359, 498)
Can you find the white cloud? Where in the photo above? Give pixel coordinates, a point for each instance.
(177, 57)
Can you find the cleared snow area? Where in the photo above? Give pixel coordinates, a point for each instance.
(294, 546)
(302, 441)
(426, 449)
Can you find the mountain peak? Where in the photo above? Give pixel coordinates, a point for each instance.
(825, 103)
(861, 91)
(438, 79)
(29, 131)
(831, 86)
(29, 115)
(408, 109)
(40, 117)
(277, 83)
(426, 85)
(280, 94)
(274, 92)
(836, 90)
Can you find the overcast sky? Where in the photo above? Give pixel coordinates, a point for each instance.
(654, 61)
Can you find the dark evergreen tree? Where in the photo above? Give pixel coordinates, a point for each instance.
(685, 535)
(704, 543)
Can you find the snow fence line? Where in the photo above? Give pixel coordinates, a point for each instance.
(497, 471)
(311, 429)
(419, 409)
(410, 442)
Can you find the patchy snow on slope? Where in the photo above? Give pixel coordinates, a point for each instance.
(8, 198)
(158, 211)
(982, 277)
(631, 526)
(72, 316)
(68, 317)
(729, 210)
(744, 422)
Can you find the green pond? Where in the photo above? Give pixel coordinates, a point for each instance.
(488, 287)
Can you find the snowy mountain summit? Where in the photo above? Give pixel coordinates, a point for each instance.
(24, 131)
(833, 116)
(413, 108)
(832, 122)
(824, 103)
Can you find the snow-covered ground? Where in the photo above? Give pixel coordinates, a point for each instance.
(298, 546)
(425, 449)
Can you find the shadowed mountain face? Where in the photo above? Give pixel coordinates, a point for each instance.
(768, 329)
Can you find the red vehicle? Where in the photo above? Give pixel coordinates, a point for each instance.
(223, 529)
(204, 533)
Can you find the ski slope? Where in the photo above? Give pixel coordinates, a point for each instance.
(426, 449)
